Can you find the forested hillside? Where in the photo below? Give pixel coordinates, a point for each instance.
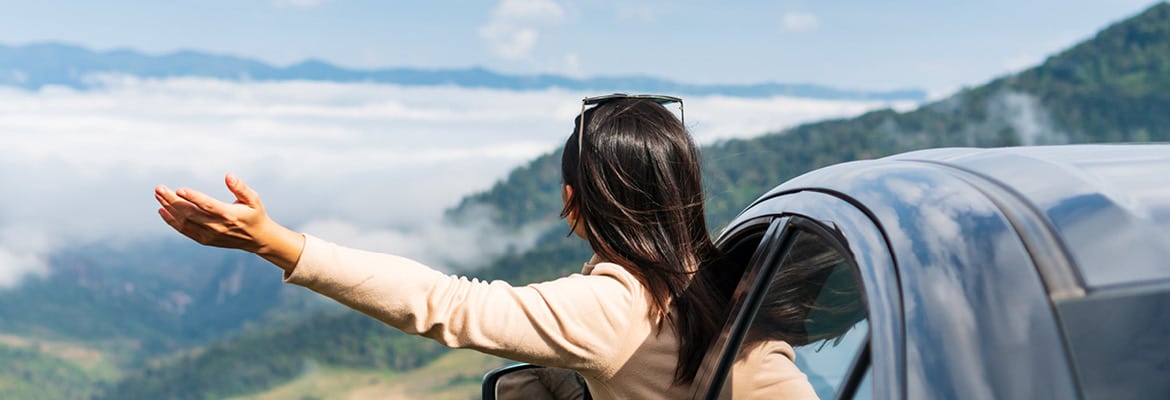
(1114, 87)
(266, 359)
(42, 369)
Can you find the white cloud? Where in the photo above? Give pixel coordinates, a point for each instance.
(297, 3)
(719, 117)
(365, 163)
(443, 244)
(1028, 118)
(573, 65)
(79, 167)
(509, 41)
(514, 26)
(637, 12)
(22, 253)
(528, 11)
(799, 22)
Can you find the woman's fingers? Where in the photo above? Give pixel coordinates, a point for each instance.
(178, 223)
(240, 225)
(164, 195)
(168, 200)
(202, 227)
(176, 208)
(204, 202)
(244, 194)
(172, 202)
(179, 213)
(168, 218)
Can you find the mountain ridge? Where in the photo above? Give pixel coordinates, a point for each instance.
(1065, 99)
(33, 66)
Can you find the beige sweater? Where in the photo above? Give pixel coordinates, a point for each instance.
(596, 322)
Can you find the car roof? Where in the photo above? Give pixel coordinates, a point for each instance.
(1108, 204)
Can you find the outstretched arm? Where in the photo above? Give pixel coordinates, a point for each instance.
(240, 225)
(578, 322)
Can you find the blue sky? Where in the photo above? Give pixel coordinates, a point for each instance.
(937, 46)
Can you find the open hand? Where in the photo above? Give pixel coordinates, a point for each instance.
(242, 224)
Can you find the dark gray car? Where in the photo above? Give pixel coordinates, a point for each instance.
(1014, 273)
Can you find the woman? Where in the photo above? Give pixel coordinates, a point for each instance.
(635, 323)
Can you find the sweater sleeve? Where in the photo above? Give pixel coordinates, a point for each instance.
(768, 370)
(575, 322)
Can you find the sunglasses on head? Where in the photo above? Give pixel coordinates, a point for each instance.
(592, 101)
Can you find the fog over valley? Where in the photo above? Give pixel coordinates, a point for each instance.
(370, 165)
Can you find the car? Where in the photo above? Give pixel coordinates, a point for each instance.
(960, 273)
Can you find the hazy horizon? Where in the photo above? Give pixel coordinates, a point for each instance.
(938, 47)
(370, 165)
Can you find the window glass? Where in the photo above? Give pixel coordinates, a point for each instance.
(813, 304)
(826, 363)
(865, 388)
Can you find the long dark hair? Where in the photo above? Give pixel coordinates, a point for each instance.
(638, 192)
(815, 296)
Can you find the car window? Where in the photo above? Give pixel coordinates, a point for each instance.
(865, 388)
(814, 303)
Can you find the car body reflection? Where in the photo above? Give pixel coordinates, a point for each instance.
(1014, 273)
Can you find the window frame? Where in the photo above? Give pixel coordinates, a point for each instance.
(856, 372)
(861, 357)
(867, 246)
(717, 363)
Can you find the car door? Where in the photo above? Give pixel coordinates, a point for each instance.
(822, 281)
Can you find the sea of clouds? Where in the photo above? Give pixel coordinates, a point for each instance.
(369, 165)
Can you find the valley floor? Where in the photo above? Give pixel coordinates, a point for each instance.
(454, 376)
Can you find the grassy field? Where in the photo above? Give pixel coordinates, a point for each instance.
(94, 361)
(34, 368)
(454, 376)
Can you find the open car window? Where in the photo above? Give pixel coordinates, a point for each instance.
(801, 297)
(814, 303)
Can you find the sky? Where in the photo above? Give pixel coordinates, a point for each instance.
(373, 165)
(935, 46)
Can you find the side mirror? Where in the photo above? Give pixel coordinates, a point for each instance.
(534, 382)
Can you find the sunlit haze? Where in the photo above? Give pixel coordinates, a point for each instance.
(369, 165)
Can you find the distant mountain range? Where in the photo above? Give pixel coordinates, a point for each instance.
(34, 66)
